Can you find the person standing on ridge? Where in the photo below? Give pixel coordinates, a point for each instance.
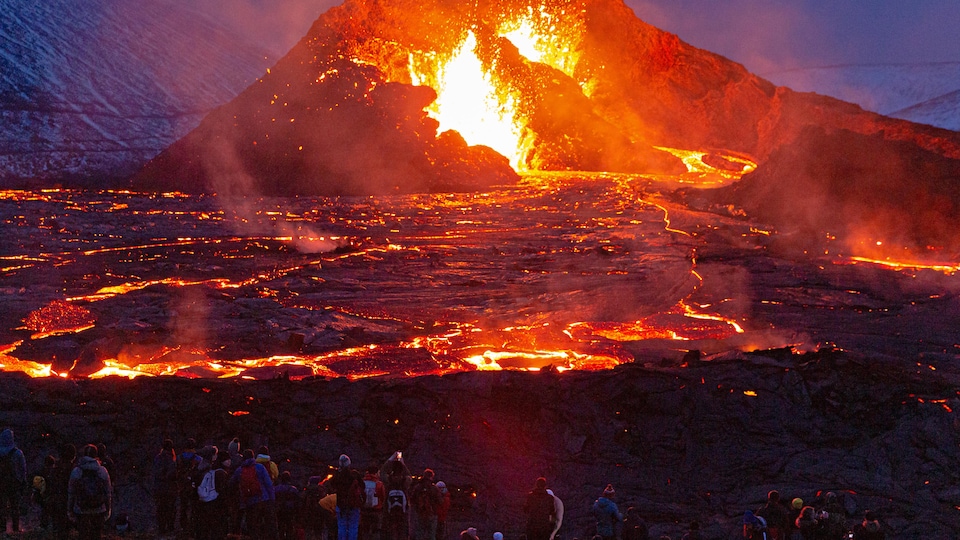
(608, 516)
(347, 483)
(187, 463)
(396, 483)
(58, 488)
(443, 510)
(165, 488)
(372, 511)
(89, 495)
(540, 511)
(776, 515)
(426, 499)
(256, 496)
(13, 479)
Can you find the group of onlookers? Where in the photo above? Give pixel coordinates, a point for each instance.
(73, 490)
(208, 494)
(825, 520)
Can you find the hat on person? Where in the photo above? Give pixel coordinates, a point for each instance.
(208, 452)
(608, 491)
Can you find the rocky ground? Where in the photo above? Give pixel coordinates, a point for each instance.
(704, 440)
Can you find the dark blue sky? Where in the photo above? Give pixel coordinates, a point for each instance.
(764, 35)
(769, 36)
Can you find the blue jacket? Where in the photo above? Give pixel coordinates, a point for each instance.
(7, 445)
(266, 486)
(608, 516)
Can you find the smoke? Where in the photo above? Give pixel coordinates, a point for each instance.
(236, 191)
(189, 313)
(306, 239)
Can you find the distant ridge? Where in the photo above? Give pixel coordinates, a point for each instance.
(921, 92)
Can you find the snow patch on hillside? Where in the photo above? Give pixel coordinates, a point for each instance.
(93, 88)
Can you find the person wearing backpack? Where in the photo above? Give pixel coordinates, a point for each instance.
(58, 487)
(165, 488)
(348, 485)
(396, 483)
(252, 481)
(187, 463)
(425, 498)
(263, 458)
(13, 479)
(41, 485)
(540, 511)
(372, 511)
(211, 502)
(89, 494)
(634, 526)
(754, 526)
(287, 498)
(776, 515)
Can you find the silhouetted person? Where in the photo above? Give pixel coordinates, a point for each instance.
(540, 511)
(13, 479)
(165, 488)
(89, 494)
(608, 516)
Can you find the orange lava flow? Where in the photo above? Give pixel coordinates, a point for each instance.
(703, 174)
(57, 318)
(948, 269)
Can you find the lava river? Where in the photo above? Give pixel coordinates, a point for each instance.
(569, 270)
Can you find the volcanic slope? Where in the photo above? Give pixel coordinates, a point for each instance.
(581, 84)
(92, 89)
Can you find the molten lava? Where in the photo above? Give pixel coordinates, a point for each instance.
(59, 317)
(468, 101)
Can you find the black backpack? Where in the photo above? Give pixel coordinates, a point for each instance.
(423, 498)
(91, 490)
